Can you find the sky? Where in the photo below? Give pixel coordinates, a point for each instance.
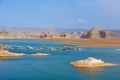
(83, 14)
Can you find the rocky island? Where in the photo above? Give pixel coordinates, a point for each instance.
(91, 63)
(40, 54)
(5, 53)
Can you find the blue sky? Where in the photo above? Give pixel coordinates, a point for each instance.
(82, 14)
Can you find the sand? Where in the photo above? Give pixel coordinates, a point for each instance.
(85, 42)
(5, 53)
(91, 63)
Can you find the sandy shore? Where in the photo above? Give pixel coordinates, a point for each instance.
(85, 42)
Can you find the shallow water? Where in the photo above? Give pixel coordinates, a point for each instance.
(56, 66)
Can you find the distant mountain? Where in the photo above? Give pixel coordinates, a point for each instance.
(26, 29)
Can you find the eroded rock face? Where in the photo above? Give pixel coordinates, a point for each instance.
(109, 35)
(76, 35)
(96, 33)
(67, 35)
(90, 63)
(5, 53)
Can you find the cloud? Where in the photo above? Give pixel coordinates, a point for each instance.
(102, 7)
(80, 21)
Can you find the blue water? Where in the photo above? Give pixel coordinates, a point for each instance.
(56, 66)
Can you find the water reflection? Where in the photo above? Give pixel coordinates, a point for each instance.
(91, 73)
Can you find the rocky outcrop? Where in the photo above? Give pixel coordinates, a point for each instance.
(109, 35)
(96, 33)
(55, 35)
(5, 53)
(67, 35)
(83, 35)
(91, 63)
(40, 54)
(76, 35)
(4, 35)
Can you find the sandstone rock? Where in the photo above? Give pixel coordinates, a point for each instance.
(96, 33)
(40, 54)
(55, 35)
(83, 35)
(5, 53)
(76, 35)
(109, 35)
(67, 35)
(4, 35)
(91, 63)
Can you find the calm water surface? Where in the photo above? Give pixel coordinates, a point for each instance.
(56, 66)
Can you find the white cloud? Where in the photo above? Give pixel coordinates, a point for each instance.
(80, 21)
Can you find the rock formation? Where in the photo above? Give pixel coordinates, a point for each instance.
(91, 63)
(67, 35)
(4, 35)
(96, 33)
(55, 35)
(5, 53)
(76, 35)
(40, 54)
(83, 35)
(109, 35)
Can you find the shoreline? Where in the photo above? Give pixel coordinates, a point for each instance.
(85, 42)
(79, 42)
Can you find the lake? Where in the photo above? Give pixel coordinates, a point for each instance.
(57, 65)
